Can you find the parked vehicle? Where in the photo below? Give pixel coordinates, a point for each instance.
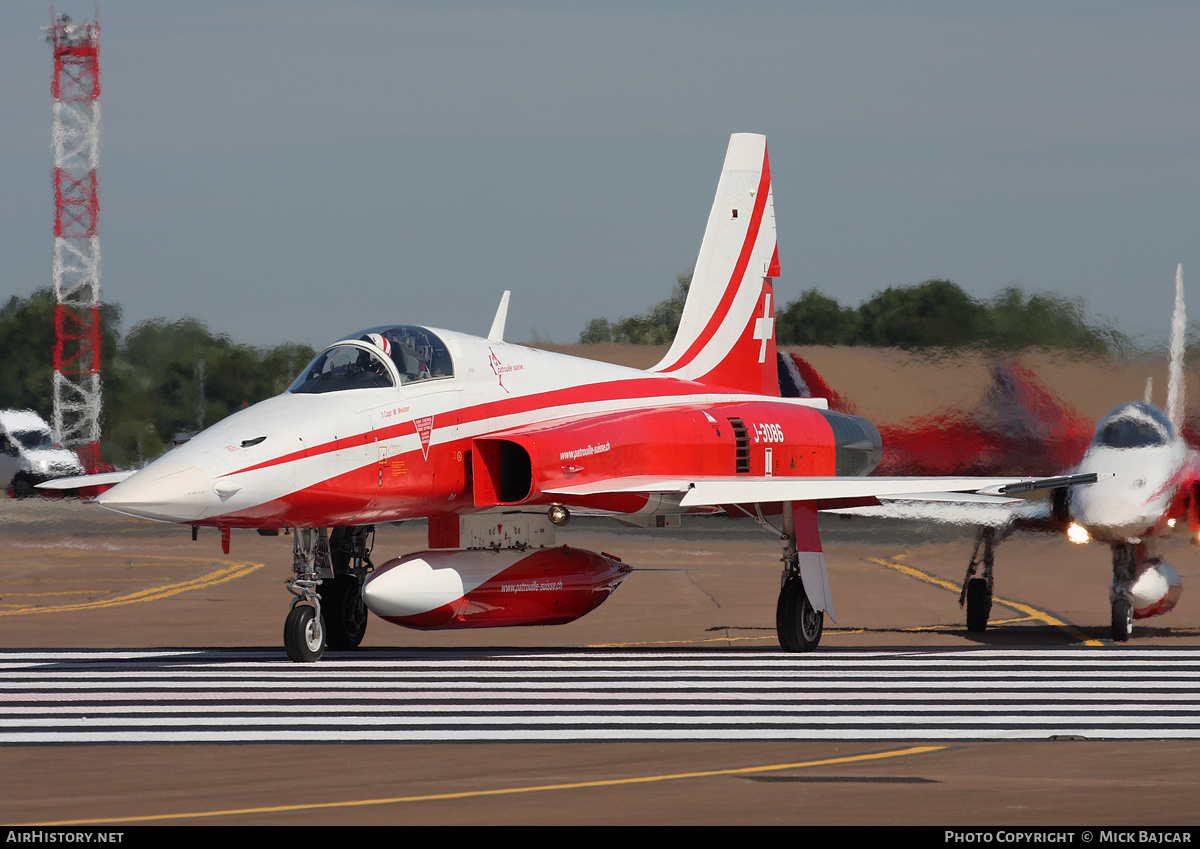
(29, 455)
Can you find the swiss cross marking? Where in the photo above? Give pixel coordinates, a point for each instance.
(764, 329)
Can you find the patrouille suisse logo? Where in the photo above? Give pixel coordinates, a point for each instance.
(500, 369)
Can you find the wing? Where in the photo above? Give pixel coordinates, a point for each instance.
(826, 492)
(102, 479)
(993, 513)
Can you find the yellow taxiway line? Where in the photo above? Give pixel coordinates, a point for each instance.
(220, 576)
(1030, 612)
(506, 791)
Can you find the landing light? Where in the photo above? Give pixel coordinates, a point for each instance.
(558, 514)
(1077, 533)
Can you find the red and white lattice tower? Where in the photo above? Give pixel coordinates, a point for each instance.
(76, 140)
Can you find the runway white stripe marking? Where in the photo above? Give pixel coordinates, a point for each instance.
(535, 657)
(77, 698)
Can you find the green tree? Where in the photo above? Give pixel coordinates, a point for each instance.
(936, 313)
(166, 376)
(817, 319)
(597, 330)
(191, 378)
(1048, 321)
(27, 339)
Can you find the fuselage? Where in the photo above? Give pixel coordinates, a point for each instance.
(455, 424)
(1141, 463)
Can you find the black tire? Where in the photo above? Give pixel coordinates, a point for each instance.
(303, 636)
(22, 487)
(979, 605)
(1122, 620)
(344, 611)
(798, 625)
(1060, 505)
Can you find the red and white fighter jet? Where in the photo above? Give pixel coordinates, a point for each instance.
(496, 444)
(1143, 460)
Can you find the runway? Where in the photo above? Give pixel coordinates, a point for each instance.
(117, 698)
(139, 670)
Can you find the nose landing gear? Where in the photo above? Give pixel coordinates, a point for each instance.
(329, 573)
(1124, 560)
(303, 636)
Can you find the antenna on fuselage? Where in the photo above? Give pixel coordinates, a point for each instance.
(1175, 383)
(496, 334)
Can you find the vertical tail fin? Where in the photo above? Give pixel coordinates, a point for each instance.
(726, 335)
(1175, 378)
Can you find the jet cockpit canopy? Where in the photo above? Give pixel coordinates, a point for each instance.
(1134, 425)
(409, 354)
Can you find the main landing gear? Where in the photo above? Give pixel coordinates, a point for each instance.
(797, 623)
(329, 573)
(341, 596)
(976, 593)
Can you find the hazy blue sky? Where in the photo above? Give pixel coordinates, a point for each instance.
(298, 170)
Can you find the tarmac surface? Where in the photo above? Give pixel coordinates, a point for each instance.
(75, 577)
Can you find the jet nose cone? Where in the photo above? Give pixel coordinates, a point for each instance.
(1111, 515)
(166, 491)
